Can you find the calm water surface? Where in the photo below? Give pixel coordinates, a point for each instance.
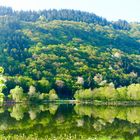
(80, 122)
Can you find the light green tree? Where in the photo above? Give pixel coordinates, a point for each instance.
(32, 90)
(2, 85)
(105, 93)
(17, 94)
(122, 93)
(133, 92)
(53, 95)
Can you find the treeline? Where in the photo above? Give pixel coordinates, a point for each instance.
(17, 94)
(64, 14)
(109, 93)
(106, 92)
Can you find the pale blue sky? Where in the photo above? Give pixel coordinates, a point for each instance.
(110, 9)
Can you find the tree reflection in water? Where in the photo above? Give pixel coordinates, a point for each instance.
(78, 121)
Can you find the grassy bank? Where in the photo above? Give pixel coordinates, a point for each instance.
(61, 137)
(109, 103)
(92, 102)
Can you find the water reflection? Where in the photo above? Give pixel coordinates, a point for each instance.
(80, 121)
(110, 113)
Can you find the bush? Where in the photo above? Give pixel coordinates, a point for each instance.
(133, 92)
(122, 93)
(43, 85)
(17, 94)
(86, 94)
(105, 93)
(53, 95)
(109, 93)
(2, 96)
(44, 96)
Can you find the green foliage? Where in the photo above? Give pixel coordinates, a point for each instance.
(122, 93)
(133, 92)
(54, 50)
(44, 96)
(53, 95)
(2, 97)
(105, 93)
(33, 95)
(1, 70)
(17, 94)
(2, 85)
(84, 95)
(32, 90)
(109, 93)
(43, 85)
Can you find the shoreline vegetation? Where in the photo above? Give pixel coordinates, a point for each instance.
(110, 94)
(106, 95)
(76, 102)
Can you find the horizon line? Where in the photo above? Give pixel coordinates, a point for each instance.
(59, 9)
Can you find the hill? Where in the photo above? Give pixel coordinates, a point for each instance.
(67, 50)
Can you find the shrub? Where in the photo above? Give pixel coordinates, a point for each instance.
(53, 95)
(86, 94)
(44, 96)
(105, 93)
(122, 93)
(17, 94)
(2, 96)
(133, 92)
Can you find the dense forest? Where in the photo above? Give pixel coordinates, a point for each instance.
(65, 51)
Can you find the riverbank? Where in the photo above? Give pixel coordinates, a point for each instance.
(62, 101)
(111, 103)
(95, 102)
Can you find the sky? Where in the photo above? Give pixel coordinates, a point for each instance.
(110, 9)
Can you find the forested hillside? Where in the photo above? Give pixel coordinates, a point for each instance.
(67, 50)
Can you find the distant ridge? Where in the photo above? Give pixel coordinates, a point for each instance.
(64, 14)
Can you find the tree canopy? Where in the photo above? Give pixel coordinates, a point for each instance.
(67, 50)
